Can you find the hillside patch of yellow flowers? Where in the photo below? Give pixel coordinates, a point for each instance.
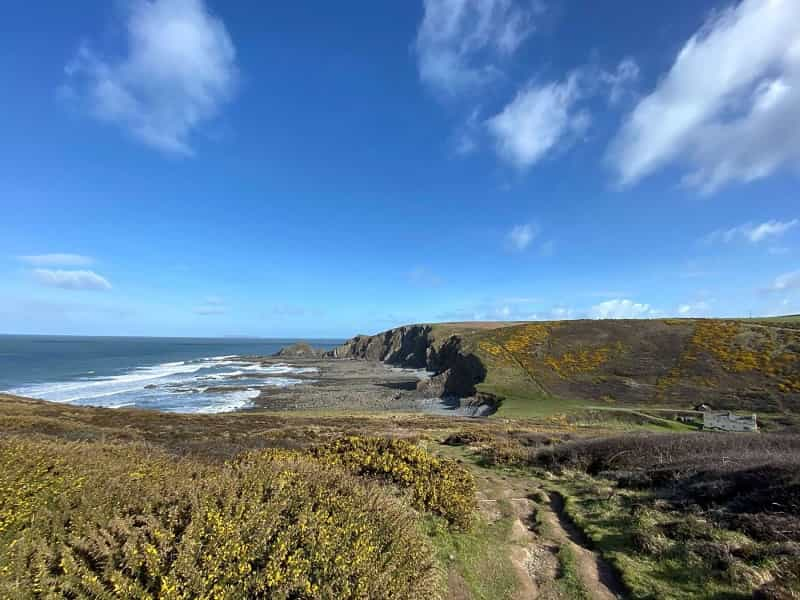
(436, 485)
(738, 350)
(119, 521)
(528, 346)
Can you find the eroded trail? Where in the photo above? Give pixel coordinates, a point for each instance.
(596, 575)
(551, 557)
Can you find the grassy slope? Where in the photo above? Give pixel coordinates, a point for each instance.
(701, 516)
(545, 369)
(475, 562)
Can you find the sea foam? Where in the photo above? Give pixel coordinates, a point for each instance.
(181, 386)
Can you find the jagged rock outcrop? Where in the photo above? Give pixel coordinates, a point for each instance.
(403, 346)
(299, 350)
(456, 371)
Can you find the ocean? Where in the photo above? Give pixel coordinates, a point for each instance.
(187, 375)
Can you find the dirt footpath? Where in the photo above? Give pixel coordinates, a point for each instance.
(541, 536)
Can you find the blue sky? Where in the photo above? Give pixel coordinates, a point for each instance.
(180, 167)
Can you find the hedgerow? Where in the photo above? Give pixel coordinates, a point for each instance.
(107, 521)
(441, 486)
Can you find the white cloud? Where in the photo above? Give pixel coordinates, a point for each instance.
(785, 282)
(466, 136)
(726, 105)
(56, 260)
(560, 313)
(619, 82)
(694, 309)
(461, 42)
(71, 280)
(180, 67)
(521, 236)
(752, 233)
(511, 308)
(621, 309)
(537, 120)
(778, 250)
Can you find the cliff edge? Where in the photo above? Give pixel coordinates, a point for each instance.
(732, 364)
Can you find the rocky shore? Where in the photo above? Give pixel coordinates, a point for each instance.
(411, 368)
(361, 385)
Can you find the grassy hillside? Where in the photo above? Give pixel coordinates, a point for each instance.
(100, 503)
(671, 363)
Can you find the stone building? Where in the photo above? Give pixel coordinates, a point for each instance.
(727, 421)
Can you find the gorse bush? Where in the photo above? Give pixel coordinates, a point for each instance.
(103, 521)
(441, 486)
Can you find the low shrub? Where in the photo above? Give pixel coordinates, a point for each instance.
(438, 485)
(506, 453)
(467, 438)
(687, 451)
(94, 520)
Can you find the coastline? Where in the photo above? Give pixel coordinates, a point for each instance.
(359, 385)
(287, 383)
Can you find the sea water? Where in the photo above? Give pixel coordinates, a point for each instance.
(189, 375)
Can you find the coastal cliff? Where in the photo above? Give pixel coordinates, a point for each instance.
(729, 364)
(456, 370)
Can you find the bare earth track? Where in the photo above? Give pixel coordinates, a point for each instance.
(540, 531)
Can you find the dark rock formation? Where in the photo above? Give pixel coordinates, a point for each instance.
(403, 346)
(456, 372)
(299, 350)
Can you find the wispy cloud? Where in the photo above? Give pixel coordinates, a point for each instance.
(606, 294)
(694, 309)
(752, 232)
(56, 260)
(461, 44)
(512, 308)
(620, 308)
(537, 120)
(785, 282)
(621, 80)
(294, 310)
(726, 123)
(209, 310)
(562, 313)
(212, 305)
(423, 276)
(521, 236)
(545, 117)
(778, 250)
(178, 70)
(71, 280)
